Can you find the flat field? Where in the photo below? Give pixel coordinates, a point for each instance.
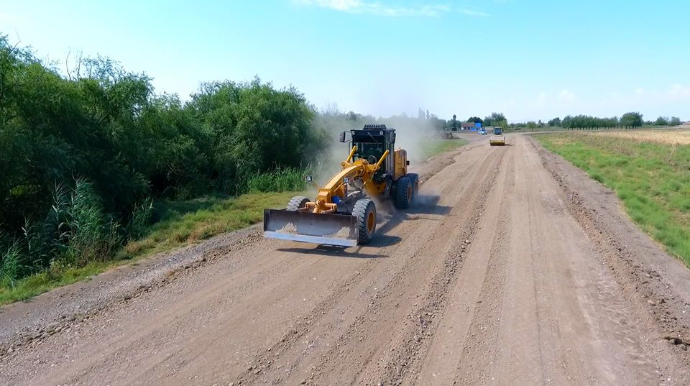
(666, 137)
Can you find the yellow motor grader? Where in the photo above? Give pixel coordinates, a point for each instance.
(342, 214)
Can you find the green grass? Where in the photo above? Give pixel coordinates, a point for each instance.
(651, 179)
(180, 223)
(187, 222)
(435, 146)
(45, 281)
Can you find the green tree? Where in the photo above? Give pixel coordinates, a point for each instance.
(256, 128)
(475, 120)
(631, 120)
(101, 136)
(556, 122)
(498, 117)
(495, 119)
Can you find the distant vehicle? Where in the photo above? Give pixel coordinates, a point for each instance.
(482, 132)
(498, 139)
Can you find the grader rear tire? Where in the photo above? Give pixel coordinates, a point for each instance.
(404, 193)
(414, 177)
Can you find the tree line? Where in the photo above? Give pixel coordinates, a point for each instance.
(629, 120)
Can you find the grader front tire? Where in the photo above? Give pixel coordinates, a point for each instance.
(297, 203)
(365, 211)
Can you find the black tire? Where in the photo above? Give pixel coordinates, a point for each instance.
(403, 194)
(296, 203)
(415, 185)
(365, 211)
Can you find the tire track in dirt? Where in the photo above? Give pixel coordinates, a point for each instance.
(477, 356)
(370, 284)
(441, 357)
(532, 345)
(659, 300)
(540, 324)
(563, 319)
(491, 282)
(390, 312)
(517, 357)
(417, 340)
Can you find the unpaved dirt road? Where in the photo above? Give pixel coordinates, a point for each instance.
(515, 270)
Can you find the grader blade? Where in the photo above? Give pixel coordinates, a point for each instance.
(307, 227)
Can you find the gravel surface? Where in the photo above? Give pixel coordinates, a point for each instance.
(514, 268)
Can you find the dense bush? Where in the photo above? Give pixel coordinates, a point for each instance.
(283, 180)
(82, 153)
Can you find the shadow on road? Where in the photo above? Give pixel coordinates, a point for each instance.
(334, 251)
(389, 218)
(424, 205)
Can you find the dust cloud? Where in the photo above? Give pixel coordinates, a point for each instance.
(410, 135)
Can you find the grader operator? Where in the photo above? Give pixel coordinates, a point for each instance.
(342, 212)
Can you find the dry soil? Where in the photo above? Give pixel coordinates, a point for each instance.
(514, 268)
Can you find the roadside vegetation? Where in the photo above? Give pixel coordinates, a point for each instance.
(86, 155)
(648, 170)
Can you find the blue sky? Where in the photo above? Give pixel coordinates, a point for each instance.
(529, 59)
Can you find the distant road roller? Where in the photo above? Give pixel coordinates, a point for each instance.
(497, 139)
(342, 213)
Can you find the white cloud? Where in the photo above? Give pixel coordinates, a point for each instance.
(470, 12)
(678, 92)
(566, 96)
(340, 5)
(381, 9)
(5, 17)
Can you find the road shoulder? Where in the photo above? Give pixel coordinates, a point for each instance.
(649, 276)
